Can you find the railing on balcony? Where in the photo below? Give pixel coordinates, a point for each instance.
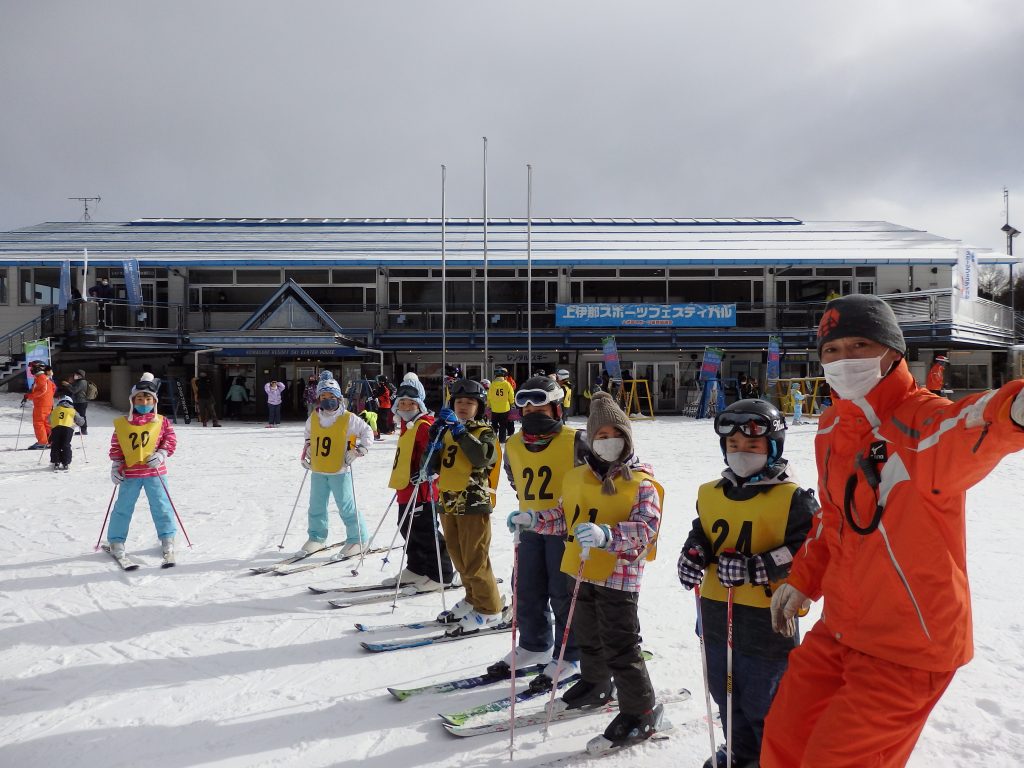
(227, 317)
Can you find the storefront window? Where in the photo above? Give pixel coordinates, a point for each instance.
(258, 276)
(967, 377)
(211, 276)
(308, 276)
(40, 285)
(3, 286)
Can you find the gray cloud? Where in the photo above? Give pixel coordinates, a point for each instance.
(903, 111)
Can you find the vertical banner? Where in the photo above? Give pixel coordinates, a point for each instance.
(611, 358)
(773, 358)
(36, 350)
(65, 285)
(711, 364)
(132, 281)
(967, 274)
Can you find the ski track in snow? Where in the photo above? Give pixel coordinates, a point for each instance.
(205, 664)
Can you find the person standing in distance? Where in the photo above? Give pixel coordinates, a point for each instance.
(887, 551)
(500, 398)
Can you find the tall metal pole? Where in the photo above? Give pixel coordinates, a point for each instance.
(529, 269)
(444, 284)
(487, 317)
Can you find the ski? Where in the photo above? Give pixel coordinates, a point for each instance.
(457, 719)
(293, 559)
(463, 683)
(428, 624)
(460, 718)
(278, 570)
(445, 637)
(559, 714)
(126, 563)
(380, 597)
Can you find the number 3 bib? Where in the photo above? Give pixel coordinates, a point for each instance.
(137, 441)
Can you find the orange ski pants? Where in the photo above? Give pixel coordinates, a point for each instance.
(41, 425)
(837, 707)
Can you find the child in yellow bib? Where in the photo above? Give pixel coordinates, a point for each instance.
(335, 438)
(610, 509)
(63, 420)
(466, 459)
(749, 525)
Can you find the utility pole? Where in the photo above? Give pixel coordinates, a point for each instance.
(85, 203)
(1011, 232)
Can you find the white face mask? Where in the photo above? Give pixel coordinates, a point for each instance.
(407, 415)
(608, 448)
(853, 379)
(746, 464)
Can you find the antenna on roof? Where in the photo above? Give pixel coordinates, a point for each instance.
(85, 204)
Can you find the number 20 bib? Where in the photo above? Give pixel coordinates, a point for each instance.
(137, 441)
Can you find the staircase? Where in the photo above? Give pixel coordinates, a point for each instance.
(12, 345)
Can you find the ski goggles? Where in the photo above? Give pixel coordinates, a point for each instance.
(749, 424)
(526, 397)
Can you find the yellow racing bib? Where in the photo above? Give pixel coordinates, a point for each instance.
(748, 527)
(583, 502)
(539, 474)
(456, 469)
(62, 416)
(137, 441)
(401, 469)
(327, 445)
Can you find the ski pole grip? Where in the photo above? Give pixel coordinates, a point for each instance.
(585, 555)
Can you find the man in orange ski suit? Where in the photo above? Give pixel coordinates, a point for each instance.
(887, 552)
(41, 395)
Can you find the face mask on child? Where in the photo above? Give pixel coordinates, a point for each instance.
(330, 404)
(407, 415)
(608, 448)
(143, 408)
(746, 464)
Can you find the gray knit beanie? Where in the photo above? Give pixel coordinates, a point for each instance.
(864, 315)
(604, 411)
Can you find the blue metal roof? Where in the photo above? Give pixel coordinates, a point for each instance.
(417, 242)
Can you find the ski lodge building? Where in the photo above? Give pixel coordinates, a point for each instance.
(285, 298)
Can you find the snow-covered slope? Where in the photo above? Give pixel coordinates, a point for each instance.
(207, 665)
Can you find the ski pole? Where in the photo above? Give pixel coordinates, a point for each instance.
(369, 545)
(435, 522)
(176, 515)
(105, 518)
(294, 506)
(84, 454)
(565, 639)
(409, 512)
(515, 627)
(704, 666)
(20, 422)
(728, 682)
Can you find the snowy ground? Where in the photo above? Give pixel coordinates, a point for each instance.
(207, 665)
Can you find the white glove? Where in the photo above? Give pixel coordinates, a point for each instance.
(1017, 409)
(156, 458)
(351, 455)
(521, 520)
(787, 602)
(592, 535)
(304, 458)
(116, 473)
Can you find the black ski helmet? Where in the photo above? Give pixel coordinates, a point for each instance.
(761, 412)
(469, 388)
(555, 393)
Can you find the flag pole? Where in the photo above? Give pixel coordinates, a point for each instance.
(487, 316)
(444, 284)
(529, 268)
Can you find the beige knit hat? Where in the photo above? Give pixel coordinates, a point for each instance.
(604, 411)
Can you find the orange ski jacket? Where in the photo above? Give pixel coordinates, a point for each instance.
(43, 390)
(888, 550)
(935, 378)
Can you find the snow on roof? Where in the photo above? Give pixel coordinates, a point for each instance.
(555, 242)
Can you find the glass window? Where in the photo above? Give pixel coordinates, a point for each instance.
(211, 276)
(540, 272)
(793, 271)
(400, 273)
(493, 273)
(416, 293)
(691, 272)
(335, 295)
(307, 276)
(258, 276)
(741, 271)
(40, 285)
(836, 271)
(460, 292)
(649, 272)
(967, 377)
(450, 273)
(395, 294)
(588, 272)
(506, 291)
(371, 297)
(731, 290)
(3, 285)
(865, 271)
(365, 276)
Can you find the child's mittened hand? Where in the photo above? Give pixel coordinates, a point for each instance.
(523, 520)
(156, 458)
(592, 535)
(116, 473)
(732, 569)
(690, 567)
(351, 455)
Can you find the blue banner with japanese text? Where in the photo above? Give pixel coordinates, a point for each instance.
(646, 315)
(611, 357)
(132, 281)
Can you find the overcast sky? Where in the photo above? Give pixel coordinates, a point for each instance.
(910, 111)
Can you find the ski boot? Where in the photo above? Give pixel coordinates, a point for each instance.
(455, 613)
(630, 729)
(167, 547)
(567, 671)
(584, 694)
(503, 669)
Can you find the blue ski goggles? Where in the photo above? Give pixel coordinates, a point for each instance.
(749, 424)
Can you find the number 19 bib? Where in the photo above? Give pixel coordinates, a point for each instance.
(327, 444)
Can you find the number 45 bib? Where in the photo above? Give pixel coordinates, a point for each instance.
(137, 441)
